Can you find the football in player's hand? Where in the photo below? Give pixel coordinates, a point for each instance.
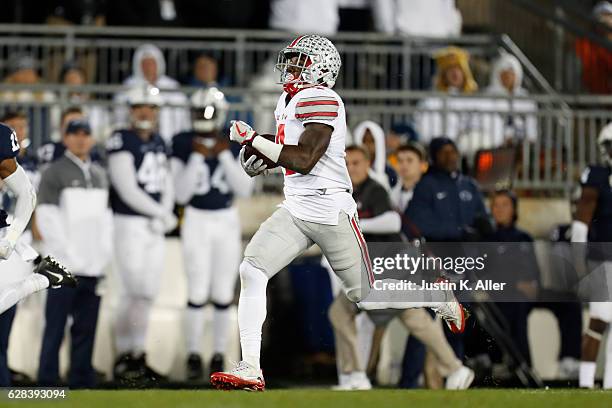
(250, 151)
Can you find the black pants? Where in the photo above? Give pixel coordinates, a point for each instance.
(6, 322)
(82, 304)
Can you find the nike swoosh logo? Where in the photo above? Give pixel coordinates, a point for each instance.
(59, 277)
(242, 134)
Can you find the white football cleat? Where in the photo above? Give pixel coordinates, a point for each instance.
(242, 377)
(460, 379)
(451, 311)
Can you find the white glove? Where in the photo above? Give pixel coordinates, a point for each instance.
(6, 248)
(241, 132)
(252, 166)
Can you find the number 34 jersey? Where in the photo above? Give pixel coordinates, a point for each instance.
(150, 163)
(212, 191)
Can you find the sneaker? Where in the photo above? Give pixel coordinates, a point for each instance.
(460, 379)
(451, 311)
(147, 377)
(242, 377)
(569, 368)
(216, 363)
(195, 371)
(55, 272)
(344, 383)
(360, 381)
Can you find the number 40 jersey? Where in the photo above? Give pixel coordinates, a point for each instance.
(150, 163)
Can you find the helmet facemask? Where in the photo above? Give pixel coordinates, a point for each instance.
(308, 61)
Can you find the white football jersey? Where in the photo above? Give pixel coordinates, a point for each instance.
(320, 195)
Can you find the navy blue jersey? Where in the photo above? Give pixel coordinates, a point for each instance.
(150, 161)
(212, 192)
(600, 178)
(29, 163)
(9, 146)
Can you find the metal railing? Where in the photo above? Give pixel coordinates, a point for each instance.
(555, 135)
(370, 60)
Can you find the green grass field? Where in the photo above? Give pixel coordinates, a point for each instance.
(320, 398)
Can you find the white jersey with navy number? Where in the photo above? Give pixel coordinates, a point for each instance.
(213, 192)
(150, 162)
(321, 194)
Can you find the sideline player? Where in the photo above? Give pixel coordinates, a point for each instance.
(207, 176)
(593, 223)
(318, 207)
(47, 271)
(142, 200)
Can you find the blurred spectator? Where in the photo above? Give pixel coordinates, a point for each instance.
(446, 205)
(205, 72)
(372, 137)
(378, 220)
(597, 60)
(97, 116)
(355, 15)
(457, 118)
(520, 123)
(411, 164)
(520, 271)
(42, 119)
(76, 226)
(305, 17)
(421, 18)
(55, 148)
(399, 134)
(24, 71)
(149, 67)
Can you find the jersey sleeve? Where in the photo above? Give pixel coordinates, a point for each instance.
(317, 107)
(9, 147)
(593, 176)
(120, 142)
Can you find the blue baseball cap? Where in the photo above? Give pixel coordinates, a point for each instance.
(78, 124)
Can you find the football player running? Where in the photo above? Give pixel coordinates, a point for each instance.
(142, 200)
(207, 176)
(318, 207)
(593, 223)
(48, 272)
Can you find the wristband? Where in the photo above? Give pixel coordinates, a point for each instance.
(269, 149)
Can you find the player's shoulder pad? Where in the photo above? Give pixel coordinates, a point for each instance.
(122, 140)
(9, 146)
(317, 104)
(595, 175)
